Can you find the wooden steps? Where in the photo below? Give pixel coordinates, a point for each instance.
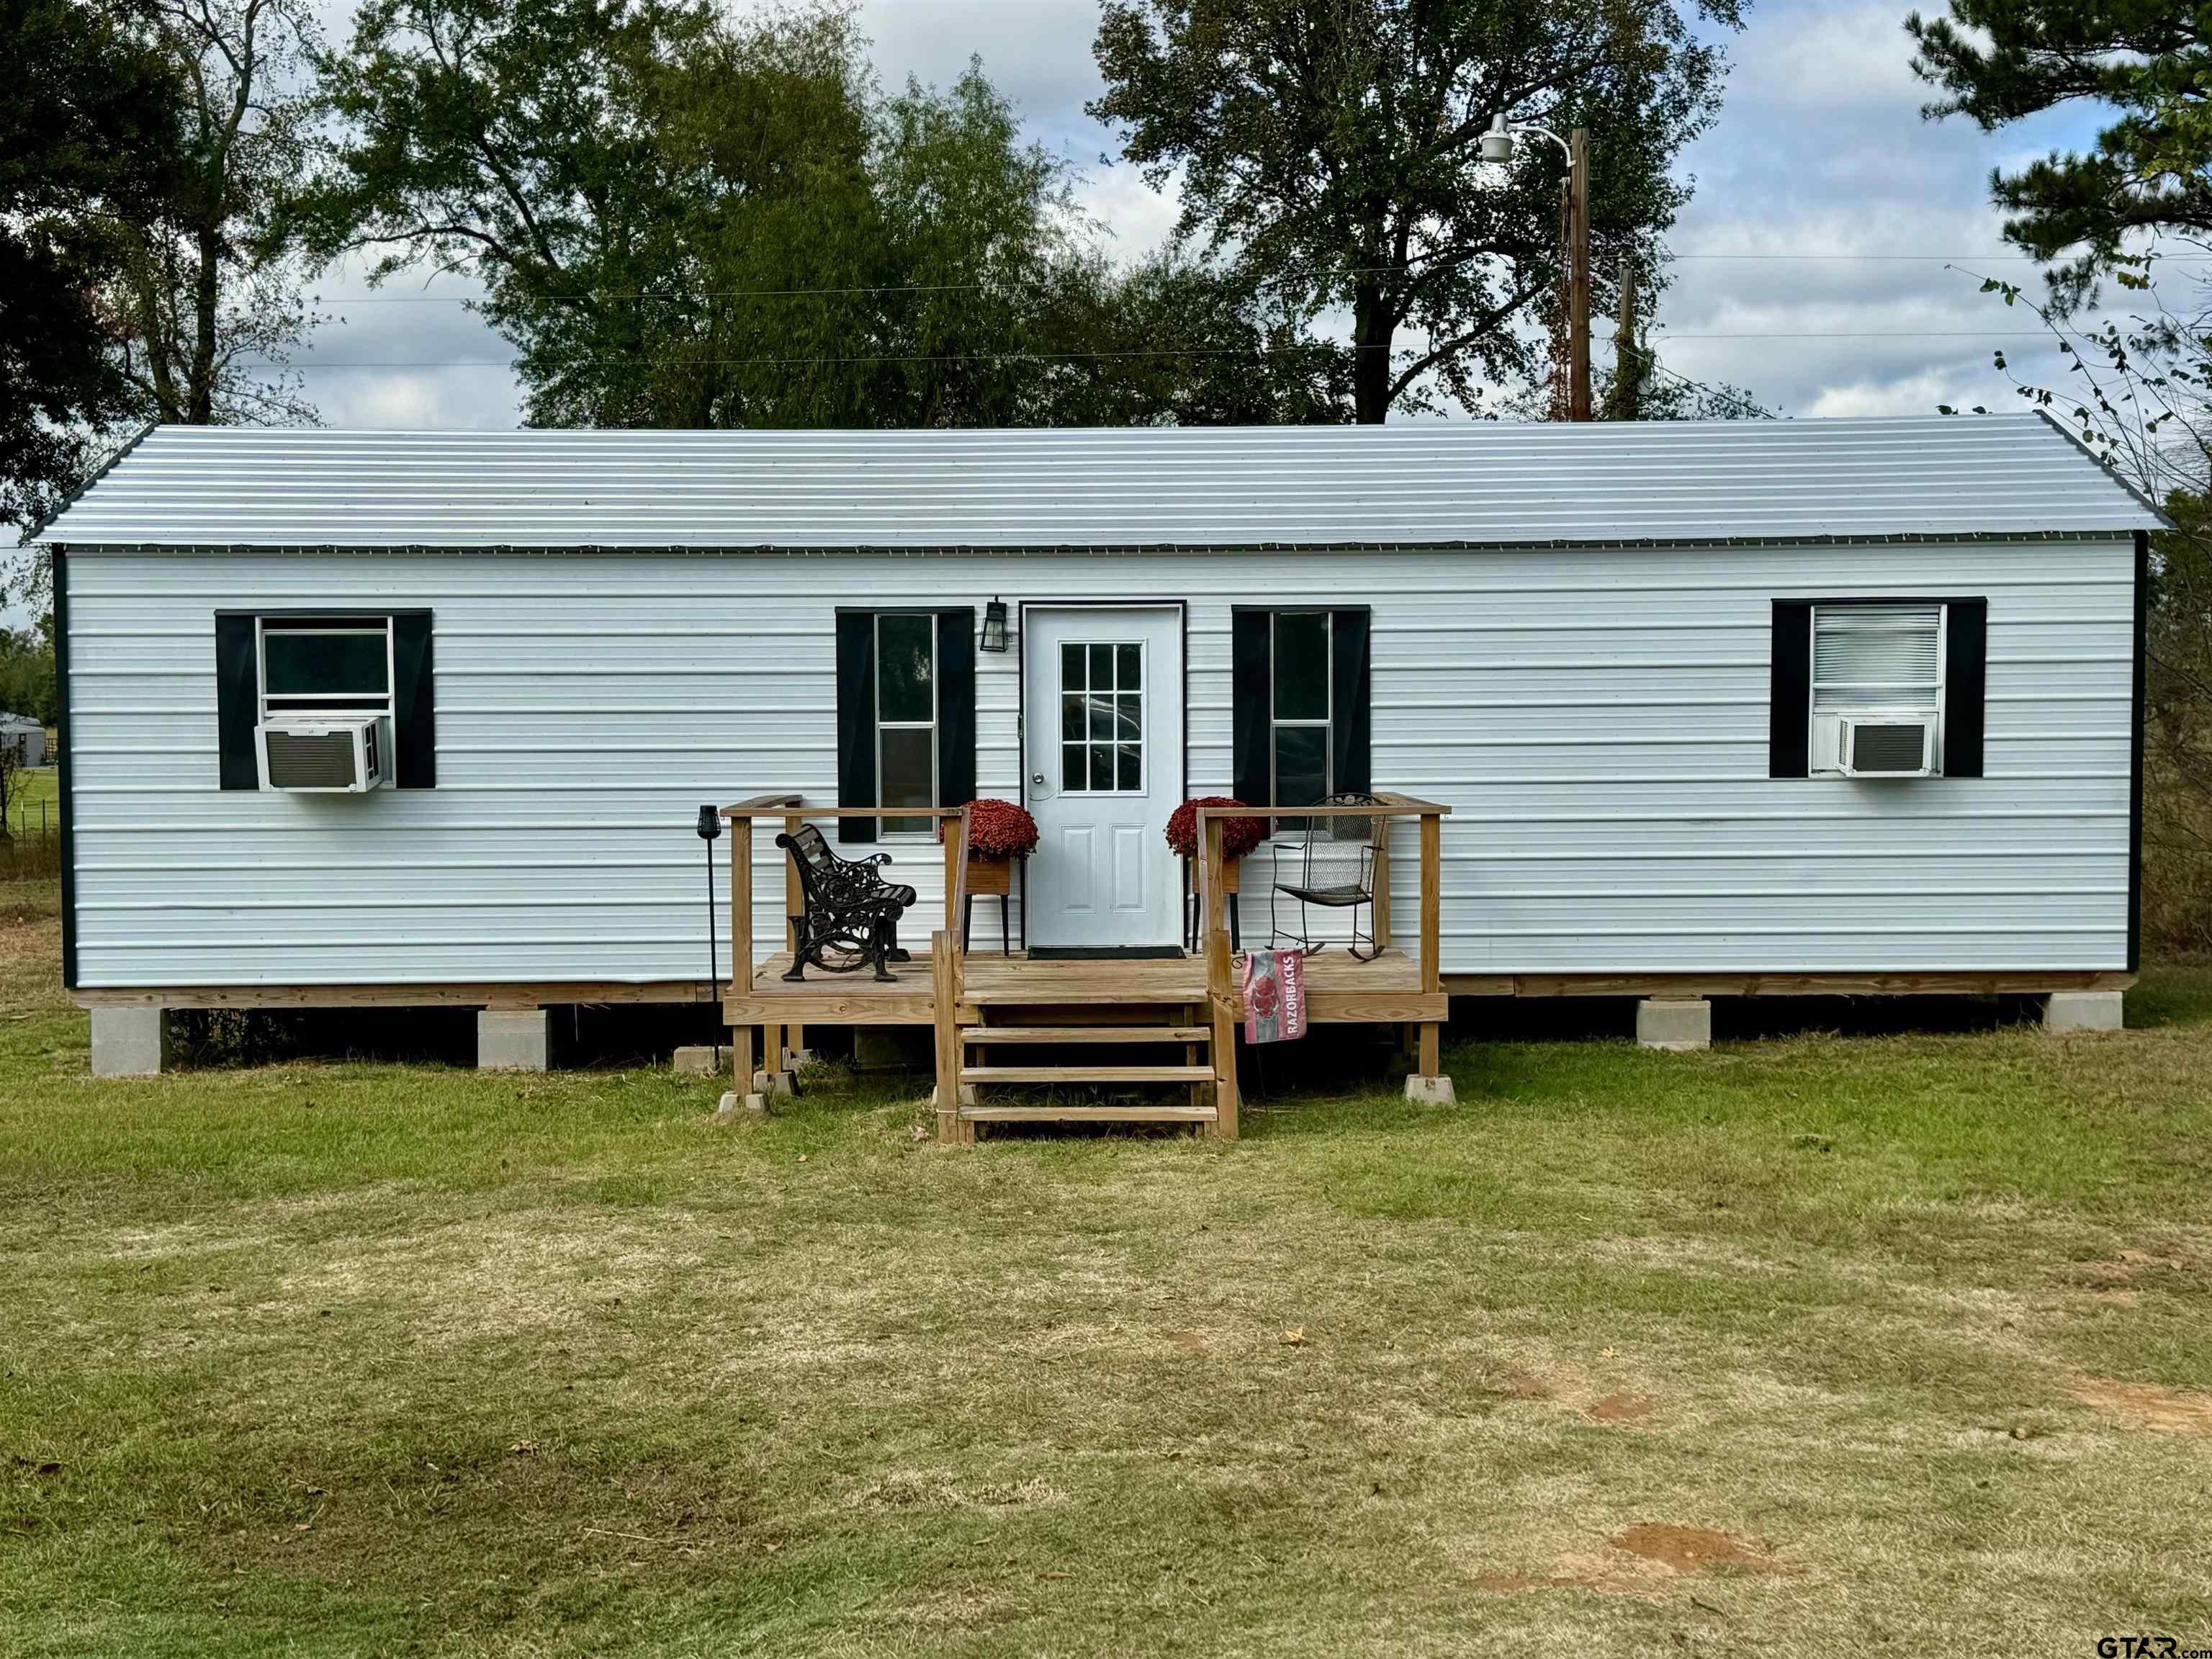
(1088, 1114)
(1080, 1034)
(1046, 1060)
(1086, 1074)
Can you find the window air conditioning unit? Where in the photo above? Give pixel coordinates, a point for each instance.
(325, 755)
(1901, 745)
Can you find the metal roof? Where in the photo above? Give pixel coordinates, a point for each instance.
(1430, 483)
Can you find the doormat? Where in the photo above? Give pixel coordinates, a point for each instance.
(1105, 953)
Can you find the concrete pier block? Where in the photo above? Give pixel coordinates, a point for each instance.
(1679, 1026)
(2082, 1010)
(1430, 1090)
(702, 1060)
(785, 1083)
(512, 1039)
(129, 1041)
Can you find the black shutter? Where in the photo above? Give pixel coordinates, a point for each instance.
(1965, 684)
(1789, 710)
(1251, 726)
(1351, 763)
(856, 721)
(956, 707)
(237, 701)
(414, 703)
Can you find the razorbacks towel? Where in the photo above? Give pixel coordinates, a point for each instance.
(1274, 995)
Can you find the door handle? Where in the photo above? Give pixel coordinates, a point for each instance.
(1037, 778)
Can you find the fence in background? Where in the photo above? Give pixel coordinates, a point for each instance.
(33, 848)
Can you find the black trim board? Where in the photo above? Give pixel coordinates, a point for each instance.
(66, 771)
(2136, 756)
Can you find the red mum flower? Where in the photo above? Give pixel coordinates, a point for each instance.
(1001, 830)
(1238, 836)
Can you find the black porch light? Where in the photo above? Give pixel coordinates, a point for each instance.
(994, 625)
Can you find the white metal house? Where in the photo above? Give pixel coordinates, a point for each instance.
(1715, 709)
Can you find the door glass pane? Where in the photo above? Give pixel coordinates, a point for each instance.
(1102, 668)
(1072, 705)
(1128, 670)
(324, 662)
(1301, 666)
(1128, 761)
(1102, 766)
(908, 776)
(904, 651)
(1301, 764)
(1074, 767)
(1071, 668)
(1129, 718)
(1101, 717)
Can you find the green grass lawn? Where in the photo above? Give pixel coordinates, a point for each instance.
(1810, 1346)
(28, 789)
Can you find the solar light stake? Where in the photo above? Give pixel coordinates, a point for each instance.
(710, 829)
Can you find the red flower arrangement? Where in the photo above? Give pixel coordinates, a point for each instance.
(999, 829)
(1238, 836)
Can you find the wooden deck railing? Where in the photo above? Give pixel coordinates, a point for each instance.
(1221, 990)
(792, 808)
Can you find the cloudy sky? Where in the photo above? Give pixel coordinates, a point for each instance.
(1820, 155)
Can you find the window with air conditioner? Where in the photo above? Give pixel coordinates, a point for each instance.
(324, 704)
(1877, 686)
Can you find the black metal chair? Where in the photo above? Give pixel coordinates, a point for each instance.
(851, 914)
(1334, 866)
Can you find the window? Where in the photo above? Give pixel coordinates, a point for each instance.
(324, 665)
(1875, 660)
(1301, 692)
(1299, 715)
(274, 666)
(905, 717)
(1102, 716)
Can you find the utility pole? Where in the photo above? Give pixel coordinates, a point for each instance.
(1578, 276)
(1625, 401)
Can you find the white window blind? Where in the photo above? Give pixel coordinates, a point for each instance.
(1877, 657)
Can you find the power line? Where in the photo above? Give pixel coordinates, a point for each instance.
(826, 362)
(977, 287)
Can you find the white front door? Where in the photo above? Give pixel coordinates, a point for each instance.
(1102, 694)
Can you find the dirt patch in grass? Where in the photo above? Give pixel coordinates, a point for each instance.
(1622, 1409)
(1688, 1549)
(2173, 1411)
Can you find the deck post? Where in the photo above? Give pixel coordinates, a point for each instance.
(741, 909)
(948, 1036)
(1428, 1081)
(794, 903)
(1380, 877)
(1219, 999)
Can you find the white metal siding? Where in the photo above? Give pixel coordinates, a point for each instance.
(1598, 719)
(1415, 483)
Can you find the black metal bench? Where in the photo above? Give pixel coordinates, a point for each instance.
(851, 914)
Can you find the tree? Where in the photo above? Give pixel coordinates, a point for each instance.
(2149, 170)
(687, 219)
(207, 303)
(27, 671)
(1328, 148)
(89, 113)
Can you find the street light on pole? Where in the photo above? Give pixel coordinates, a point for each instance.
(1498, 144)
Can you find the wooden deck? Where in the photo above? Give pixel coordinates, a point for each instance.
(977, 1002)
(996, 988)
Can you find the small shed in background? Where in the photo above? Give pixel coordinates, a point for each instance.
(26, 736)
